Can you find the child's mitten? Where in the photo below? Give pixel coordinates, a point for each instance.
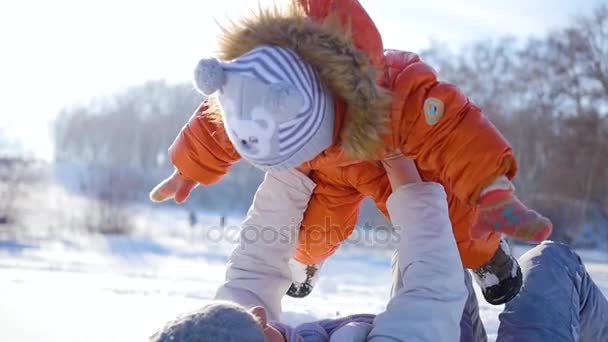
(176, 186)
(499, 210)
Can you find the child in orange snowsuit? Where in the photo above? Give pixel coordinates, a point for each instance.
(382, 100)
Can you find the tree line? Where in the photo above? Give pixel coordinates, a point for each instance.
(550, 98)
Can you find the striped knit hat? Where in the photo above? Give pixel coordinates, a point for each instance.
(276, 111)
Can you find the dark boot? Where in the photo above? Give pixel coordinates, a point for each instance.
(304, 279)
(500, 279)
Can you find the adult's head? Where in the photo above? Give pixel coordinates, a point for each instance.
(220, 321)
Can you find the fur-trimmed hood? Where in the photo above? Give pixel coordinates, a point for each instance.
(323, 34)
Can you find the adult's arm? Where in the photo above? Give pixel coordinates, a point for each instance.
(429, 306)
(258, 271)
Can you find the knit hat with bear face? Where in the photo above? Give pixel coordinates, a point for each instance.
(275, 109)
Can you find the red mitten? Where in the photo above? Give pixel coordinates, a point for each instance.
(176, 186)
(501, 211)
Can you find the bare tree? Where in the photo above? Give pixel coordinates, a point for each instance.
(132, 128)
(109, 191)
(549, 97)
(15, 175)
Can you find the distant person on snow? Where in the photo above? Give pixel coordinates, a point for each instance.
(313, 86)
(432, 298)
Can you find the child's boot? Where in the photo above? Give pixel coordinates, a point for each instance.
(304, 278)
(500, 279)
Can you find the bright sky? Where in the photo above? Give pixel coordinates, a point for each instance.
(58, 52)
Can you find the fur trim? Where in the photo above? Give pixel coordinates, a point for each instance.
(329, 48)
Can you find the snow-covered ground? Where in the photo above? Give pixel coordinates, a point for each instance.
(96, 288)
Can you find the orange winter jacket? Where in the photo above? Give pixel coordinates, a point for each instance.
(432, 122)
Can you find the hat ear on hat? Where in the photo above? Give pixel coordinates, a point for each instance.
(209, 76)
(283, 99)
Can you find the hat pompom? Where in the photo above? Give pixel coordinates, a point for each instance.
(208, 76)
(285, 99)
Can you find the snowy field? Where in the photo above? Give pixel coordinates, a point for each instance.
(95, 288)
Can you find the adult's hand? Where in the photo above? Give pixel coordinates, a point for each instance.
(304, 170)
(400, 170)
